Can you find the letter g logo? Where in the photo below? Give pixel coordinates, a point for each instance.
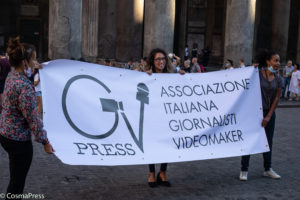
(110, 105)
(72, 124)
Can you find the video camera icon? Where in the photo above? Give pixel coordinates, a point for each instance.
(111, 105)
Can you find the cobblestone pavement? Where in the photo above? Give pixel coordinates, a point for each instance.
(284, 103)
(207, 179)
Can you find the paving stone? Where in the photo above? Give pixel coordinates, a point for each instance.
(207, 179)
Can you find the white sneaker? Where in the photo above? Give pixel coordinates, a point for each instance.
(272, 174)
(243, 175)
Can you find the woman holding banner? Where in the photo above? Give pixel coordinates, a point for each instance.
(271, 85)
(158, 62)
(19, 117)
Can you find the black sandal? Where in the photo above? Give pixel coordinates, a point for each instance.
(161, 182)
(152, 184)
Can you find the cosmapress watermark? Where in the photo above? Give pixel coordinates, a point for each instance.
(23, 196)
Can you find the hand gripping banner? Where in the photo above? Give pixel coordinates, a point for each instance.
(99, 115)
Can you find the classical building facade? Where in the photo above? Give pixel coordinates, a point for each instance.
(124, 29)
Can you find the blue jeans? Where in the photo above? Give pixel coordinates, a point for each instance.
(267, 155)
(286, 85)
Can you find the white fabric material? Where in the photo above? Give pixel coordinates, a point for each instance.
(28, 72)
(185, 117)
(38, 86)
(294, 82)
(186, 52)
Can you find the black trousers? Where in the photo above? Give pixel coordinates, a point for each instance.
(163, 167)
(20, 157)
(267, 155)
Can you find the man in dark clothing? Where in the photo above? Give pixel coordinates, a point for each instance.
(206, 53)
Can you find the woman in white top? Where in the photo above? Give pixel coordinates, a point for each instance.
(295, 83)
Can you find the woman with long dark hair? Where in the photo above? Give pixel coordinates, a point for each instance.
(271, 85)
(19, 118)
(158, 62)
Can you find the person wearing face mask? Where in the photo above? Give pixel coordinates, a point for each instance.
(19, 119)
(228, 64)
(271, 85)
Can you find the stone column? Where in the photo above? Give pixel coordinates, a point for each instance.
(181, 24)
(210, 23)
(90, 23)
(159, 25)
(280, 27)
(256, 27)
(130, 29)
(107, 29)
(298, 43)
(262, 27)
(64, 29)
(239, 30)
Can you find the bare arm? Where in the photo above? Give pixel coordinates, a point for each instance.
(182, 72)
(149, 72)
(36, 82)
(176, 57)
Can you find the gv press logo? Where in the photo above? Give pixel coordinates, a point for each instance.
(112, 106)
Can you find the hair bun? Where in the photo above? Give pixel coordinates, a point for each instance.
(15, 51)
(14, 43)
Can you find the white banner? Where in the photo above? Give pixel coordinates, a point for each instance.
(98, 115)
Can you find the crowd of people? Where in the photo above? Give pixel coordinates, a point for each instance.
(21, 102)
(290, 75)
(190, 64)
